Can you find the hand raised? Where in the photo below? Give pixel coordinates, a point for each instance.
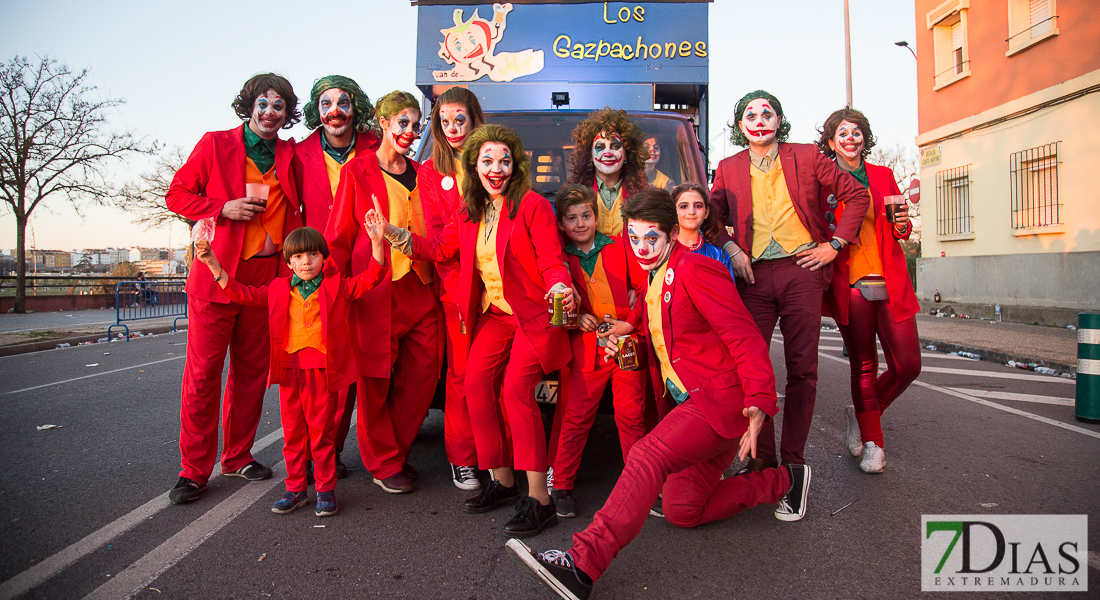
(376, 218)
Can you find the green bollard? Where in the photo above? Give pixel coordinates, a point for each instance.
(1088, 368)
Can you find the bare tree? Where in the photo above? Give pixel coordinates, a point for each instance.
(143, 200)
(54, 141)
(904, 162)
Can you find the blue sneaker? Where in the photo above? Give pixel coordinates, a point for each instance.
(289, 502)
(326, 504)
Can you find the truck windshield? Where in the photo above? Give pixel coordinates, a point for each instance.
(548, 140)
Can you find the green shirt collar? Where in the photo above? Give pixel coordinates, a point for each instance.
(608, 194)
(860, 173)
(306, 288)
(261, 151)
(588, 260)
(340, 155)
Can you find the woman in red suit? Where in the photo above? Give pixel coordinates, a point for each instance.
(871, 294)
(510, 263)
(456, 114)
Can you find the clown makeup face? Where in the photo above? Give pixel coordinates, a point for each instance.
(654, 149)
(402, 129)
(691, 211)
(494, 167)
(608, 153)
(760, 122)
(579, 225)
(268, 115)
(847, 142)
(651, 245)
(455, 121)
(337, 112)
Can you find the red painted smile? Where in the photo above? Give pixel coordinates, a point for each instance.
(761, 132)
(475, 53)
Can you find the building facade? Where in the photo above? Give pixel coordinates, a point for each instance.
(1009, 122)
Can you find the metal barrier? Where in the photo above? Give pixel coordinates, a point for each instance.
(136, 300)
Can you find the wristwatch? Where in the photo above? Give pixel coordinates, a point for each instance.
(835, 243)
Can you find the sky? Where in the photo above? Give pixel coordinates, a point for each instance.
(179, 64)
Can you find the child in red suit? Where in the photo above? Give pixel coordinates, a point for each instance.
(311, 355)
(605, 276)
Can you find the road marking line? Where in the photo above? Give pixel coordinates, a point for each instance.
(997, 395)
(39, 573)
(996, 375)
(46, 385)
(923, 354)
(146, 569)
(1015, 411)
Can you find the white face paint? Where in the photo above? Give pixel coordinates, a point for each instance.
(654, 149)
(651, 245)
(402, 129)
(760, 122)
(336, 111)
(848, 141)
(494, 167)
(456, 123)
(268, 114)
(608, 153)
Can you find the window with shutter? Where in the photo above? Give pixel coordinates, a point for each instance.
(1034, 189)
(1040, 16)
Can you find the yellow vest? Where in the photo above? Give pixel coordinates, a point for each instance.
(610, 220)
(656, 334)
(660, 180)
(270, 223)
(773, 214)
(863, 256)
(406, 212)
(303, 323)
(599, 292)
(485, 256)
(333, 169)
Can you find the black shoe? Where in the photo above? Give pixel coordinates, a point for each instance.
(253, 471)
(531, 518)
(792, 506)
(186, 490)
(554, 569)
(341, 469)
(491, 496)
(657, 510)
(564, 502)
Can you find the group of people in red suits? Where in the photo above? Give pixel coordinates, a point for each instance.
(458, 262)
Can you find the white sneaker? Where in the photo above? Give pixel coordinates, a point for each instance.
(550, 478)
(874, 458)
(465, 478)
(851, 436)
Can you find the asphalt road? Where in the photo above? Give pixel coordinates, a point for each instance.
(84, 510)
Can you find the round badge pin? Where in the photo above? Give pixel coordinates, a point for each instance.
(669, 276)
(668, 297)
(448, 182)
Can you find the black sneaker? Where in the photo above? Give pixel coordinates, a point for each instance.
(253, 471)
(341, 468)
(657, 510)
(554, 569)
(491, 496)
(465, 478)
(564, 502)
(186, 490)
(531, 518)
(792, 506)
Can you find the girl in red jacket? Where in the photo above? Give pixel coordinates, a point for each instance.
(871, 294)
(509, 265)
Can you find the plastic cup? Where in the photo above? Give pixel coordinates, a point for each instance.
(257, 190)
(893, 204)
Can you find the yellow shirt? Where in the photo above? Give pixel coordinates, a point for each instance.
(303, 323)
(333, 169)
(656, 334)
(773, 214)
(270, 223)
(610, 220)
(660, 180)
(599, 292)
(863, 256)
(485, 257)
(406, 212)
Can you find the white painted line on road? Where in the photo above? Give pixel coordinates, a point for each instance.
(998, 375)
(137, 576)
(997, 395)
(45, 385)
(923, 354)
(53, 565)
(1015, 411)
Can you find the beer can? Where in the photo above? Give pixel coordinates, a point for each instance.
(628, 353)
(557, 314)
(573, 318)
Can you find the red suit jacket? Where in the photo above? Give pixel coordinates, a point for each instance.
(312, 176)
(623, 274)
(713, 343)
(805, 171)
(212, 176)
(440, 206)
(334, 294)
(902, 301)
(371, 316)
(529, 254)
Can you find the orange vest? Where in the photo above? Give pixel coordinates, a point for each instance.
(599, 292)
(863, 256)
(406, 212)
(270, 223)
(303, 323)
(773, 214)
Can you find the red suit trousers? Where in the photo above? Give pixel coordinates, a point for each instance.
(792, 295)
(309, 428)
(686, 457)
(458, 433)
(213, 329)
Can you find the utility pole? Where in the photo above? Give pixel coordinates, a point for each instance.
(847, 54)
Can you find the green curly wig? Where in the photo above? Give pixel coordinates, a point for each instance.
(738, 137)
(612, 121)
(364, 110)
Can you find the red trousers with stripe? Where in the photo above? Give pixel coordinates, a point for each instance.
(213, 329)
(458, 433)
(309, 428)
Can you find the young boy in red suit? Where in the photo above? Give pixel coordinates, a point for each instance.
(311, 355)
(606, 276)
(707, 355)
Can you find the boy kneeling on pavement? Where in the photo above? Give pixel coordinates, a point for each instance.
(311, 356)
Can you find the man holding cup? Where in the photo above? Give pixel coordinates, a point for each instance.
(242, 179)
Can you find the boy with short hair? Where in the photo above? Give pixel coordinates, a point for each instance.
(606, 276)
(311, 356)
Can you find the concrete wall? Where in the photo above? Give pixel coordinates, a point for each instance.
(53, 303)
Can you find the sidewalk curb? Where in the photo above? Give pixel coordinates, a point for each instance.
(39, 346)
(996, 356)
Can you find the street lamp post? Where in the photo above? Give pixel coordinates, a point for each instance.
(905, 44)
(847, 54)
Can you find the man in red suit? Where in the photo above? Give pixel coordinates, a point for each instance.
(785, 235)
(250, 228)
(340, 113)
(710, 363)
